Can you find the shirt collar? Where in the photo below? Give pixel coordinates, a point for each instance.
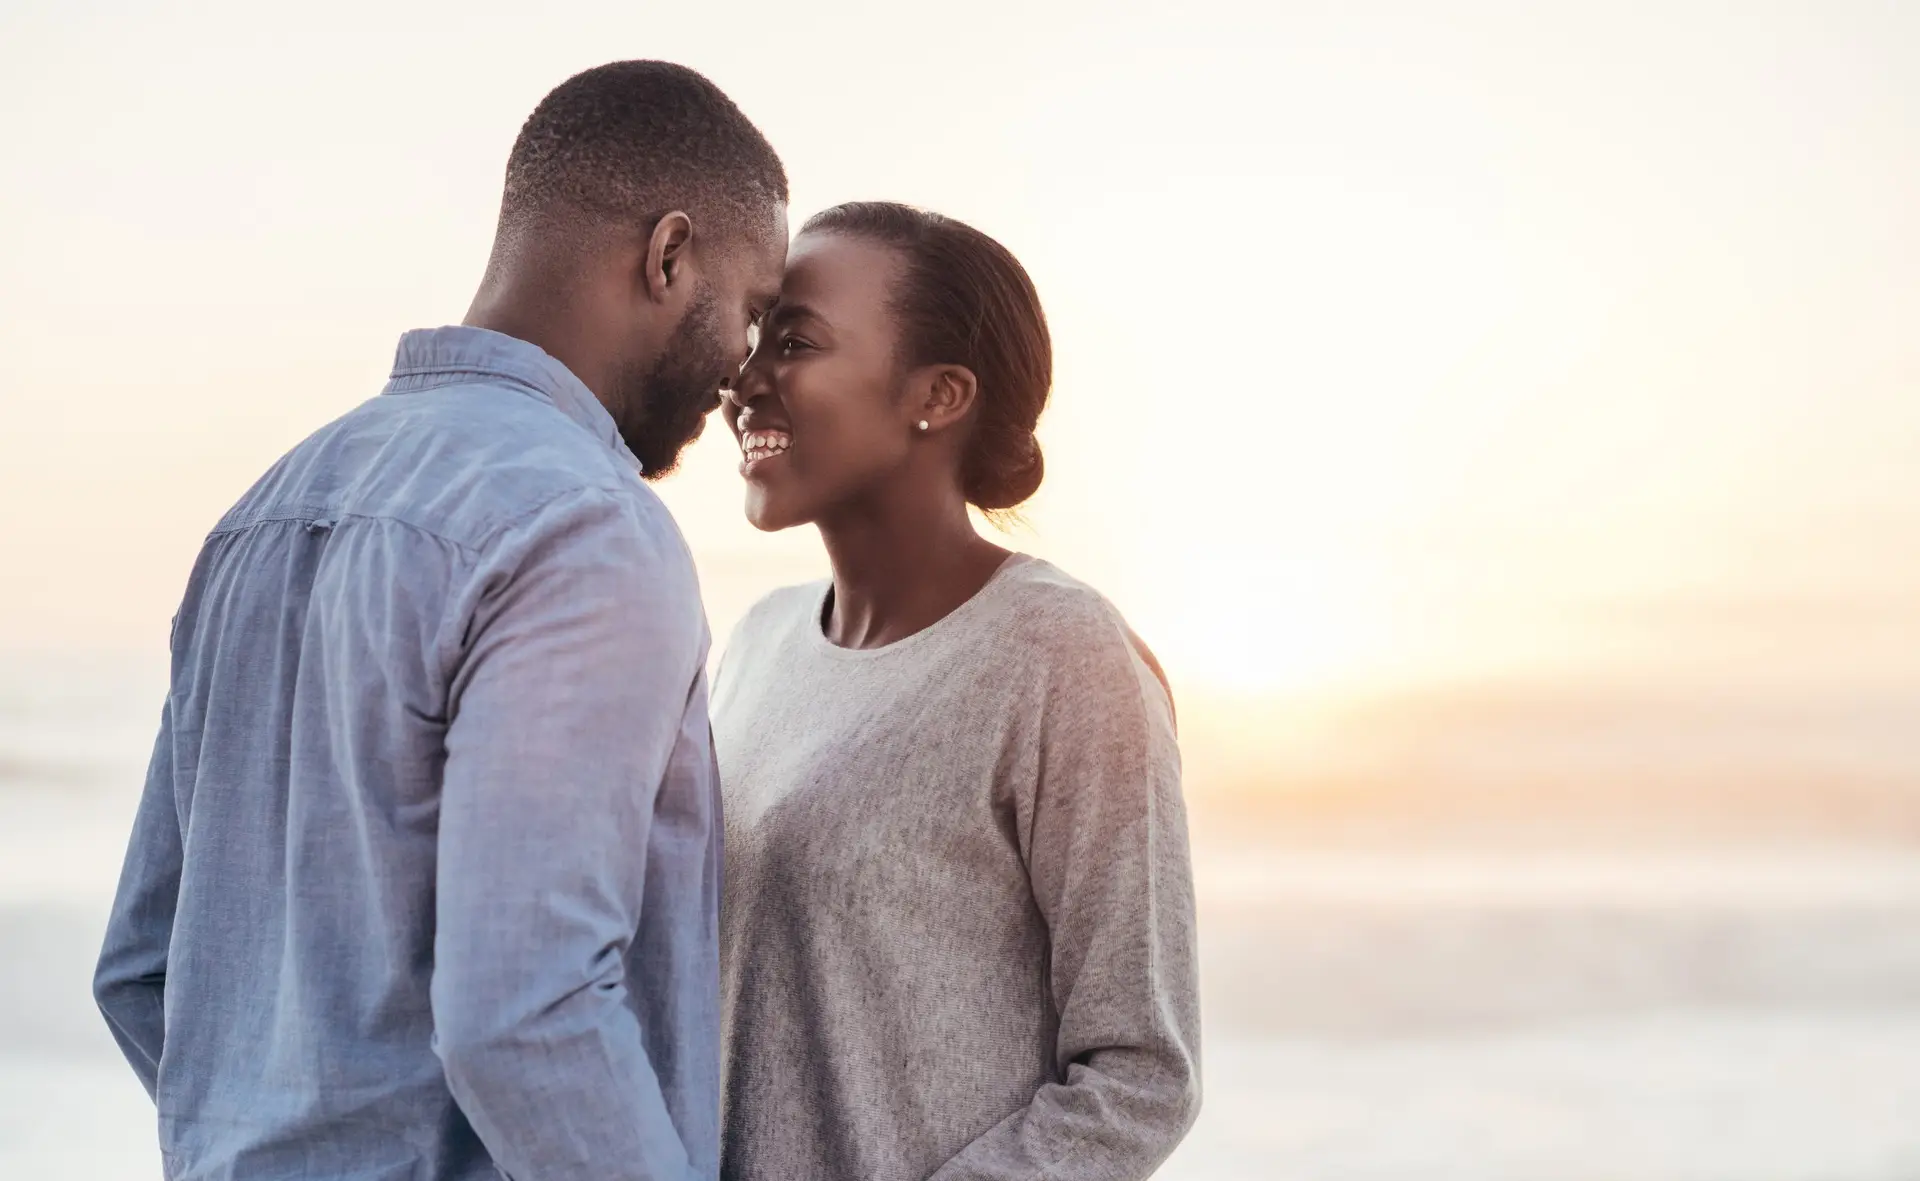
(432, 357)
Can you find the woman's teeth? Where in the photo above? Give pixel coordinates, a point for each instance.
(759, 445)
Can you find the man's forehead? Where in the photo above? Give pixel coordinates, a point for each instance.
(750, 245)
(761, 252)
(774, 244)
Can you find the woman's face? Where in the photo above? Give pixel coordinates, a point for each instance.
(824, 421)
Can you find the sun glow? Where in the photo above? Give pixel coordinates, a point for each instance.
(1252, 625)
(1288, 411)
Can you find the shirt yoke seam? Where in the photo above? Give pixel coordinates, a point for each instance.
(317, 514)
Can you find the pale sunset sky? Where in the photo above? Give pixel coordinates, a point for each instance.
(1396, 343)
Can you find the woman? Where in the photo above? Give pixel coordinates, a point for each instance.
(957, 936)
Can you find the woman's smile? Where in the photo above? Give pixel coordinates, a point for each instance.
(758, 447)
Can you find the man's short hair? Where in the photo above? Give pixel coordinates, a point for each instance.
(629, 142)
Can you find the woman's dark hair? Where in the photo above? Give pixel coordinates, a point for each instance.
(963, 299)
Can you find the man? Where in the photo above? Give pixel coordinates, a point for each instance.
(424, 880)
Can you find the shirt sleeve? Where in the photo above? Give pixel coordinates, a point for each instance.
(581, 653)
(131, 978)
(1106, 849)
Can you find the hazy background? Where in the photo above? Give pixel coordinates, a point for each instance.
(1503, 420)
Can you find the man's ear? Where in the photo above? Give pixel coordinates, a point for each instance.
(948, 394)
(667, 250)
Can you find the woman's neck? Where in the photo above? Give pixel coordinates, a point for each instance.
(900, 567)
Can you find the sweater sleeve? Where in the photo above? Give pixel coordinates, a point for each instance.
(1106, 847)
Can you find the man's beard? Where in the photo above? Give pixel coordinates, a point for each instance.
(664, 409)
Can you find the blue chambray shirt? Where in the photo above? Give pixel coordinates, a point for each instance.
(425, 880)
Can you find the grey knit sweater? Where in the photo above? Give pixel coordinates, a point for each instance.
(957, 932)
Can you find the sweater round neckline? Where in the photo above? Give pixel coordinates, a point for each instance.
(816, 620)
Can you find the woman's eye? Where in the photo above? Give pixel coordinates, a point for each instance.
(789, 344)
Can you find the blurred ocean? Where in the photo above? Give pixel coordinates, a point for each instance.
(1393, 1008)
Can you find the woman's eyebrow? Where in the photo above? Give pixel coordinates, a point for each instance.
(785, 312)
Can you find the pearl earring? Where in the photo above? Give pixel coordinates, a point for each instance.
(923, 424)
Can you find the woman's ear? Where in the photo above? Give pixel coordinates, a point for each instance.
(950, 391)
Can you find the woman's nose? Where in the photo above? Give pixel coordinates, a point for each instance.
(747, 384)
